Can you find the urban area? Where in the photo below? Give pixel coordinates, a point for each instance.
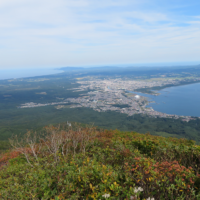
(114, 95)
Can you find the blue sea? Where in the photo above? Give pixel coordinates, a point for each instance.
(23, 73)
(179, 100)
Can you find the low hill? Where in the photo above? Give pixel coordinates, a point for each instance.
(73, 162)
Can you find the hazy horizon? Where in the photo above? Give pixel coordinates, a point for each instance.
(156, 64)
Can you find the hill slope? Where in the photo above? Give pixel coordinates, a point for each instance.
(85, 163)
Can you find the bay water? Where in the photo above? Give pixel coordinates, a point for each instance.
(179, 100)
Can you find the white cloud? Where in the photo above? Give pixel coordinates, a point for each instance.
(67, 32)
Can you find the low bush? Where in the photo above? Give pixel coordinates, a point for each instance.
(83, 163)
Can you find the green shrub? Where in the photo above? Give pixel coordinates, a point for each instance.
(102, 165)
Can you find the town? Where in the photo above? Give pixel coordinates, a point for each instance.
(114, 95)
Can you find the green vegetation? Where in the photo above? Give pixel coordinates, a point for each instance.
(121, 105)
(86, 163)
(55, 88)
(21, 120)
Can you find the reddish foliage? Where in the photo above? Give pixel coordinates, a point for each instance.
(7, 156)
(10, 155)
(149, 171)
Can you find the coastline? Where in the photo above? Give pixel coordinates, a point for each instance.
(158, 88)
(151, 98)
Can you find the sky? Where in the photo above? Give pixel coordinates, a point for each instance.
(49, 33)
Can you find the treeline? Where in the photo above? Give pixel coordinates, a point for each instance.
(21, 120)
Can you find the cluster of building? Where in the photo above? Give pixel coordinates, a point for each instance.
(114, 95)
(33, 105)
(121, 84)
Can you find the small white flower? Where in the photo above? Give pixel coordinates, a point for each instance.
(139, 189)
(133, 197)
(106, 195)
(135, 190)
(150, 198)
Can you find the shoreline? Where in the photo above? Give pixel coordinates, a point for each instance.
(152, 101)
(149, 90)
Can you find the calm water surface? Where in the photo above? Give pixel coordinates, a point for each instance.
(23, 73)
(179, 100)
